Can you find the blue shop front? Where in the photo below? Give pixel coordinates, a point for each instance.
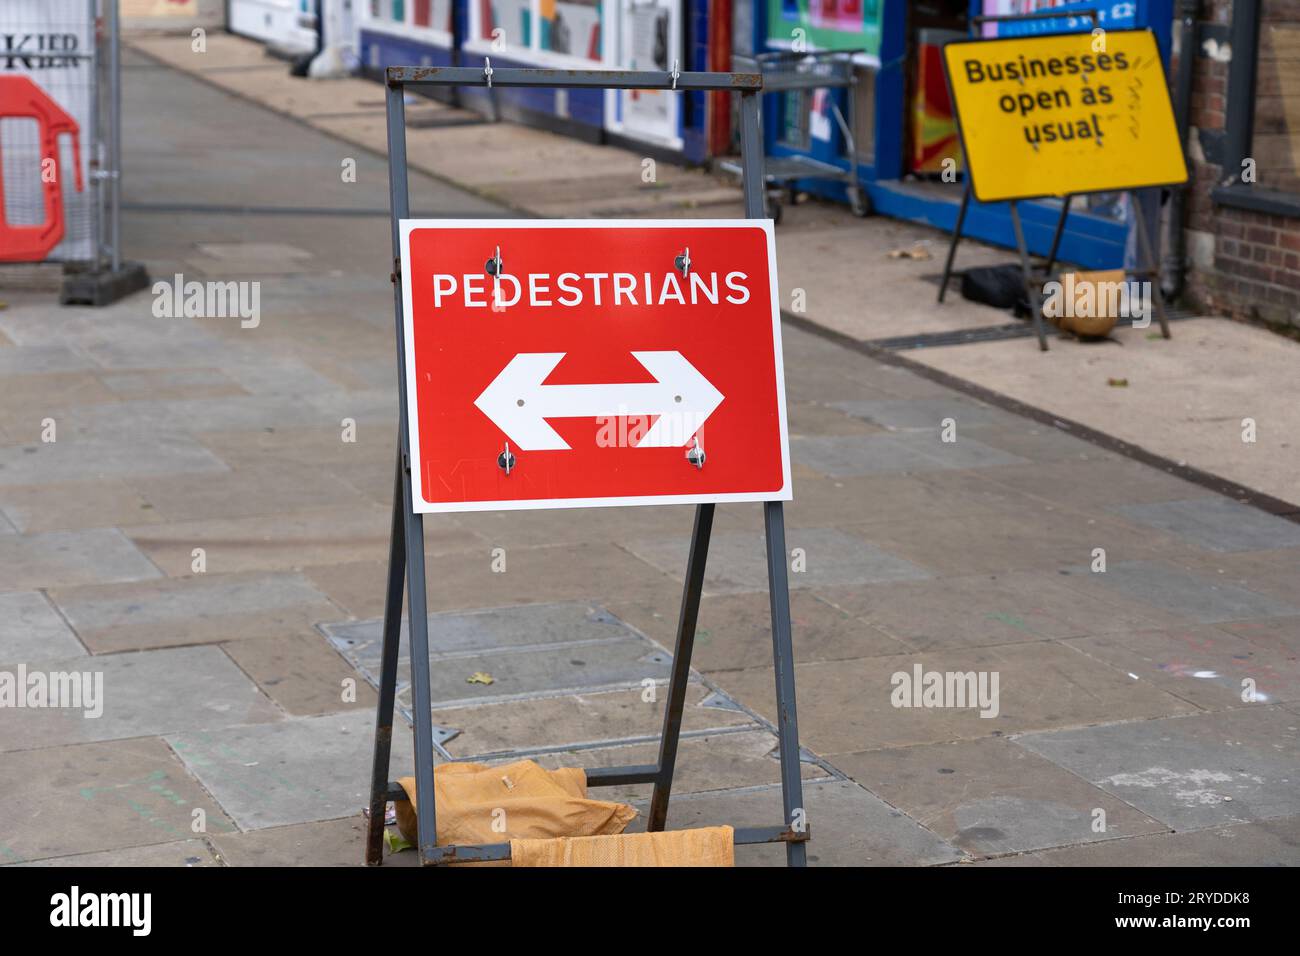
(558, 34)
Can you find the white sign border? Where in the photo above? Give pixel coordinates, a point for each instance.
(421, 506)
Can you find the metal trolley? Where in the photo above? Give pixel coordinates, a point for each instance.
(787, 72)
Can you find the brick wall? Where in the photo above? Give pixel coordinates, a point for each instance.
(1244, 263)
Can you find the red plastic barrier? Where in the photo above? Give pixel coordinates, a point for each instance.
(20, 97)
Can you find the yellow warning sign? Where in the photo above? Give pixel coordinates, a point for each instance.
(1065, 113)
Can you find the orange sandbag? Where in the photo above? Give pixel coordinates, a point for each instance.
(709, 846)
(522, 800)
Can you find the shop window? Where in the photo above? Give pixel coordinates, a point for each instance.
(570, 29)
(1261, 142)
(1275, 143)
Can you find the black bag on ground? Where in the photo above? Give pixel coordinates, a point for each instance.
(1002, 287)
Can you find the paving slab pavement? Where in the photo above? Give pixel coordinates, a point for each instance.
(1271, 843)
(230, 683)
(297, 771)
(1190, 773)
(961, 791)
(106, 796)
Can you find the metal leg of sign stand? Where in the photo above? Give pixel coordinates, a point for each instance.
(699, 554)
(387, 674)
(956, 238)
(1056, 236)
(406, 552)
(783, 658)
(1032, 290)
(1149, 266)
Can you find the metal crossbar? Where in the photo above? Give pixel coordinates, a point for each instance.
(406, 569)
(489, 76)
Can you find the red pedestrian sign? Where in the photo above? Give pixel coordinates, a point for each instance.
(583, 363)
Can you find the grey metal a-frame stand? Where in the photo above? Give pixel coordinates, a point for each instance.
(406, 551)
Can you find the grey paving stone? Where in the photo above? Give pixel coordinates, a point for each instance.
(1193, 597)
(1040, 444)
(32, 630)
(523, 726)
(814, 418)
(372, 406)
(284, 377)
(102, 796)
(489, 630)
(705, 762)
(1270, 843)
(735, 630)
(87, 455)
(1217, 523)
(1208, 770)
(1003, 608)
(303, 673)
(1207, 665)
(1041, 537)
(71, 557)
(185, 853)
(1099, 483)
(849, 706)
(738, 561)
(178, 383)
(339, 842)
(39, 359)
(272, 542)
(192, 610)
(846, 456)
(144, 693)
(926, 413)
(562, 667)
(847, 825)
(185, 415)
(1279, 635)
(527, 650)
(990, 797)
(294, 771)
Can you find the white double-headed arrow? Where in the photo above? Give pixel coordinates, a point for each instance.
(519, 404)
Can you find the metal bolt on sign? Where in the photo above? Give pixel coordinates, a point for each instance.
(696, 454)
(683, 262)
(506, 460)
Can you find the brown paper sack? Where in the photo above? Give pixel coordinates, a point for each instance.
(707, 846)
(1102, 317)
(522, 800)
